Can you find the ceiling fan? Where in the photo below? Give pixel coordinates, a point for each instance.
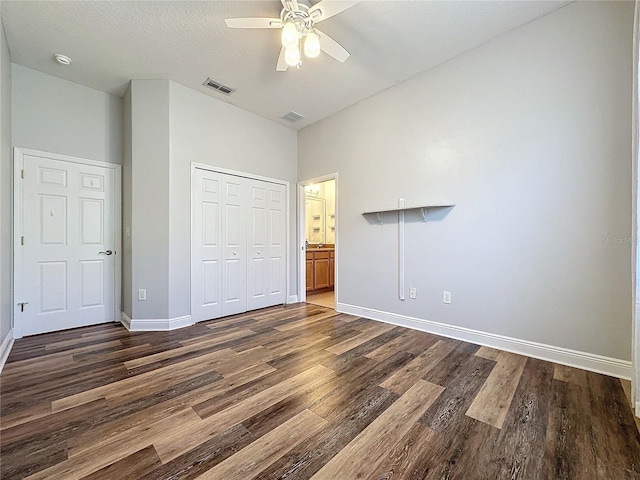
(297, 21)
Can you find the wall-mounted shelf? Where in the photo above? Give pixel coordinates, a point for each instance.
(401, 209)
(422, 208)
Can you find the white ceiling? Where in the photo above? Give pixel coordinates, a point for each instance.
(111, 42)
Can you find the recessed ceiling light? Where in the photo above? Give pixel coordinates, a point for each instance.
(62, 59)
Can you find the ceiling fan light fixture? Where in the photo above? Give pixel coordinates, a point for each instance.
(312, 44)
(290, 35)
(292, 56)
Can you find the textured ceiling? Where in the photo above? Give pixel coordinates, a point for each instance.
(111, 42)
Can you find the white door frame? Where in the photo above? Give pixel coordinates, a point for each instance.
(18, 224)
(211, 168)
(302, 257)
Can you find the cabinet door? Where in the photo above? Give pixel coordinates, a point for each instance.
(321, 277)
(310, 274)
(332, 271)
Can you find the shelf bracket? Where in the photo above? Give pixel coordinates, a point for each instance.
(380, 216)
(423, 211)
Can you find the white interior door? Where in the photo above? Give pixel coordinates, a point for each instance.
(67, 260)
(206, 246)
(234, 245)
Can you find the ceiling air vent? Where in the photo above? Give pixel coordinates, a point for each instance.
(292, 117)
(218, 86)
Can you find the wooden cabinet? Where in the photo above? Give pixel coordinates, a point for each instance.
(320, 269)
(309, 271)
(332, 268)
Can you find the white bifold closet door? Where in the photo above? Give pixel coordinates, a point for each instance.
(238, 245)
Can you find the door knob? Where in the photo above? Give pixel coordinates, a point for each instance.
(108, 252)
(258, 252)
(235, 253)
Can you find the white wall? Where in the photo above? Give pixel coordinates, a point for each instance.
(530, 136)
(150, 198)
(208, 131)
(171, 127)
(127, 194)
(58, 116)
(6, 169)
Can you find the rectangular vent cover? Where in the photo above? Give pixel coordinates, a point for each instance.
(292, 117)
(218, 86)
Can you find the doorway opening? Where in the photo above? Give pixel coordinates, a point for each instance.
(318, 234)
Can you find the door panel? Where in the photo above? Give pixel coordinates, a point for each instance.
(68, 219)
(277, 244)
(234, 279)
(257, 271)
(92, 276)
(207, 252)
(91, 221)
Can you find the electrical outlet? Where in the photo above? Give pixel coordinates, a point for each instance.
(142, 294)
(412, 293)
(446, 297)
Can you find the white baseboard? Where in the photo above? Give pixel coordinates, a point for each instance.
(153, 324)
(125, 321)
(5, 348)
(292, 299)
(574, 358)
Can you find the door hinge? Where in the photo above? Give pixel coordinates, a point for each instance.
(21, 173)
(22, 240)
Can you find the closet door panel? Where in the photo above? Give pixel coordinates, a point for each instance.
(257, 268)
(234, 280)
(277, 244)
(206, 246)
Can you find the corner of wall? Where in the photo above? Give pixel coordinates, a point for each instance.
(6, 172)
(5, 348)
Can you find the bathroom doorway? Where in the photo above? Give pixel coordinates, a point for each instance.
(318, 234)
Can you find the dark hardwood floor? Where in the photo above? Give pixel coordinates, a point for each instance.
(302, 392)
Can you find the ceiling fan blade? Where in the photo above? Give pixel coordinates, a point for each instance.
(281, 66)
(253, 22)
(291, 5)
(329, 46)
(328, 8)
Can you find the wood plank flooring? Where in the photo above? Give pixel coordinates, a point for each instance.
(301, 392)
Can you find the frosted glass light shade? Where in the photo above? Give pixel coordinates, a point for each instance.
(289, 35)
(312, 45)
(292, 56)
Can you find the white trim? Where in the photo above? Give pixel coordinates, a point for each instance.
(292, 299)
(635, 256)
(155, 324)
(302, 257)
(584, 360)
(5, 348)
(125, 320)
(236, 173)
(18, 162)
